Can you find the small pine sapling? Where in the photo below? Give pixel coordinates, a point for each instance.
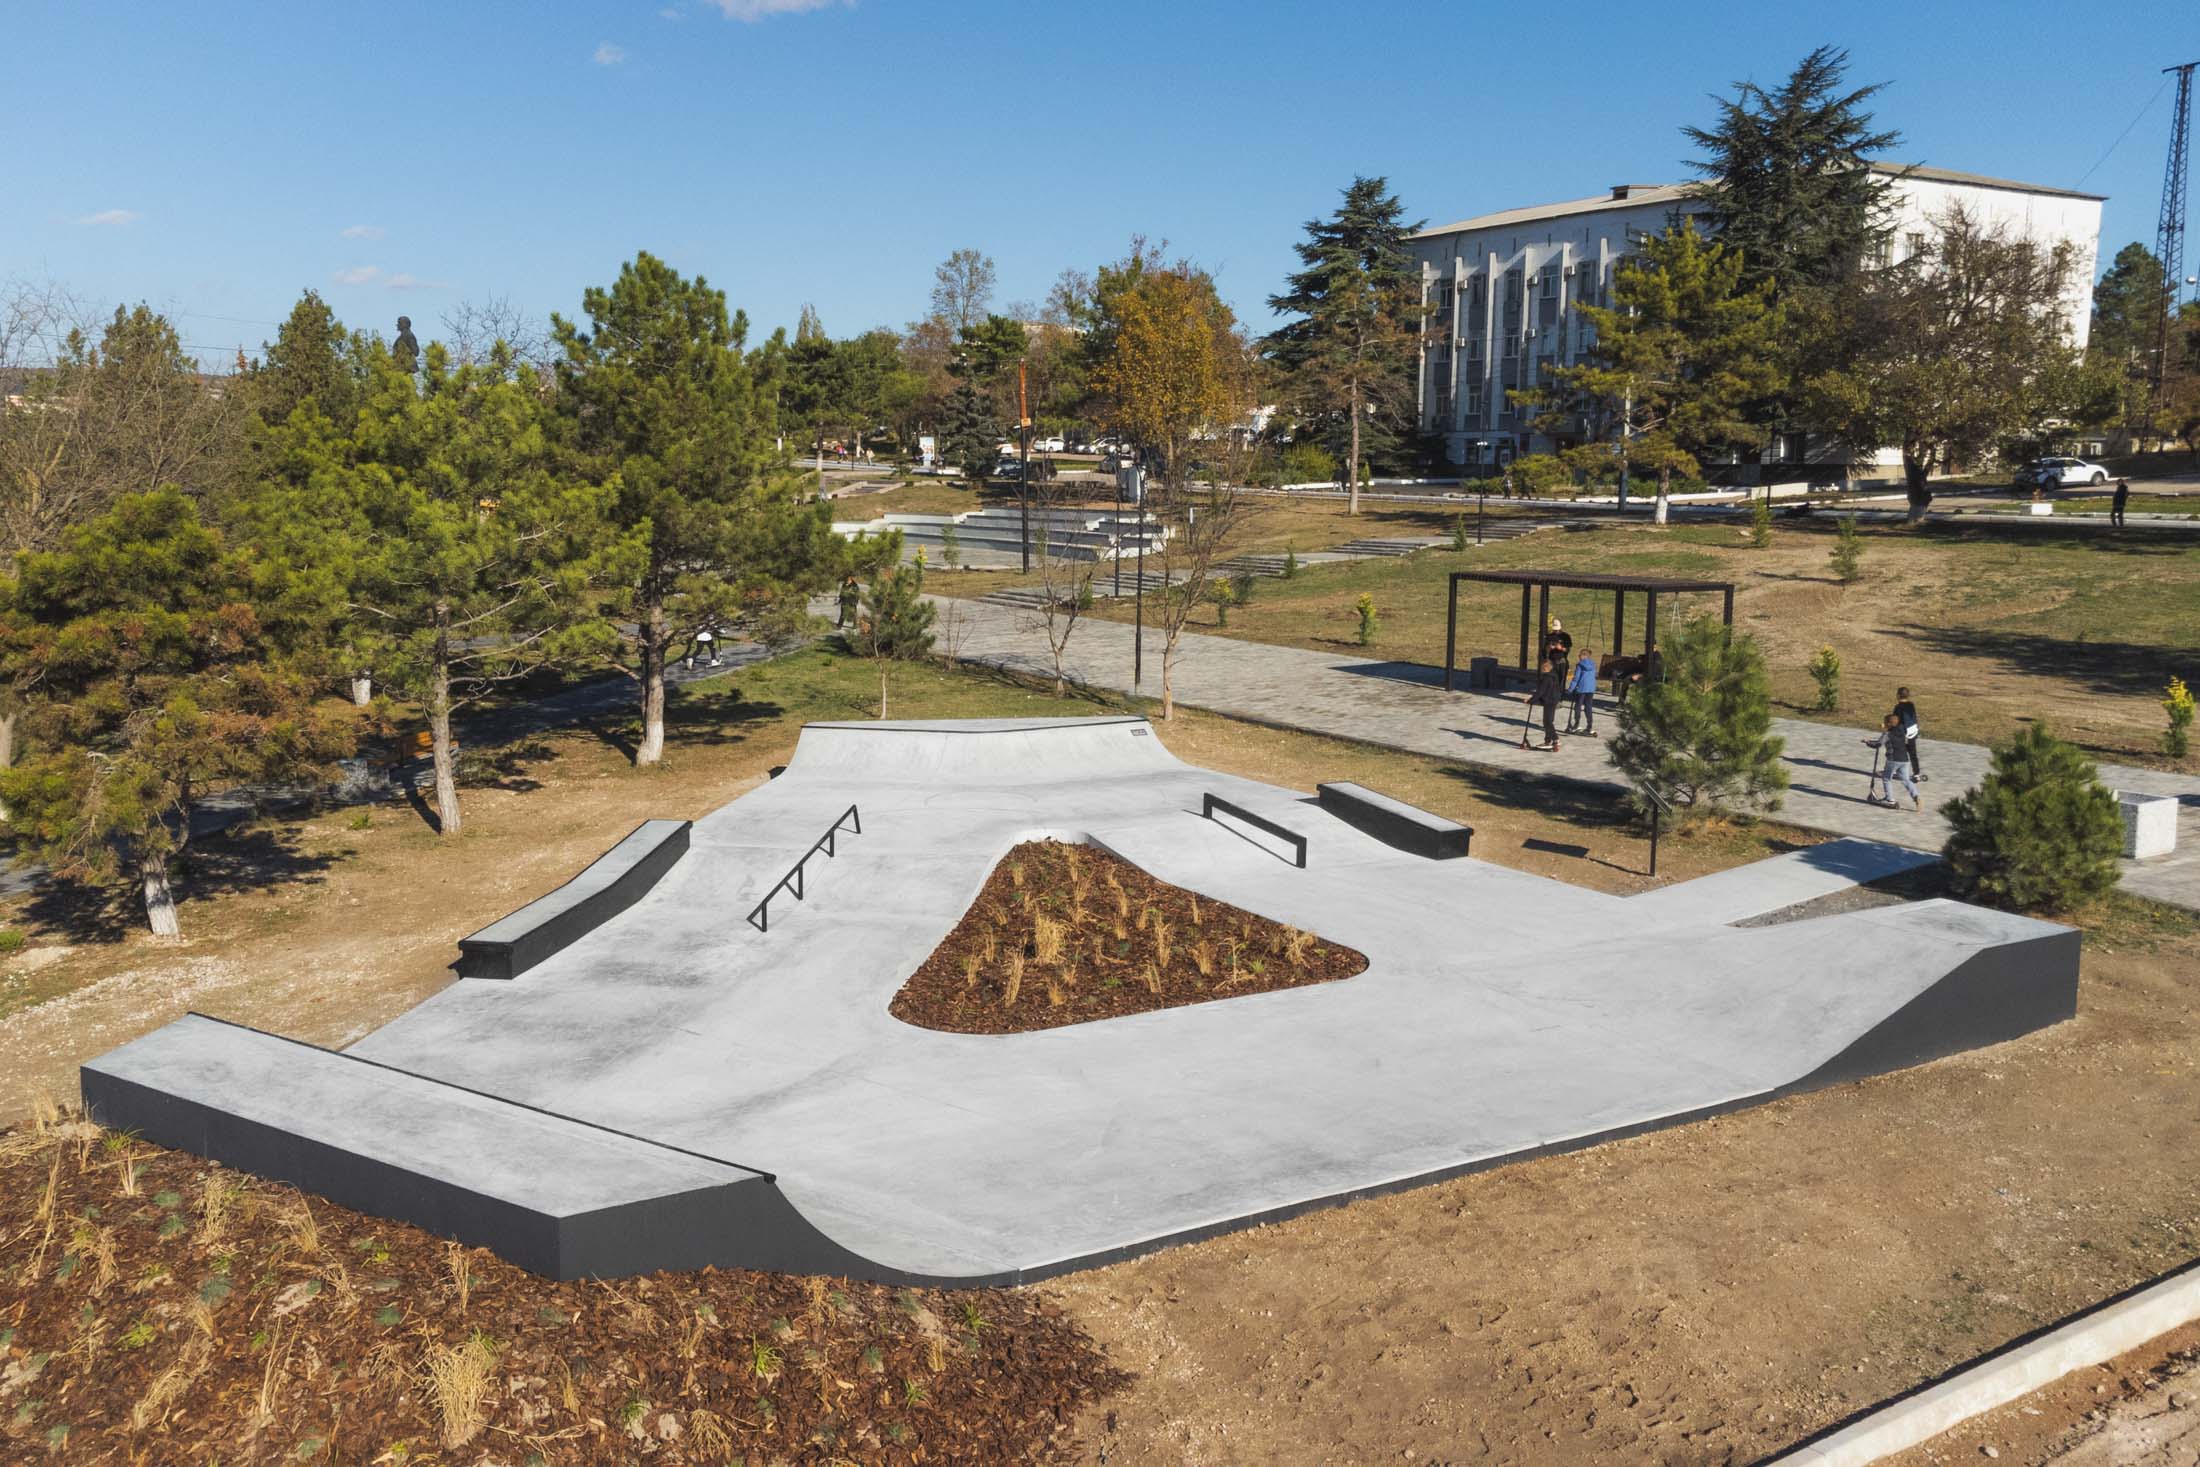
(1760, 523)
(1848, 551)
(2177, 703)
(1369, 620)
(1825, 670)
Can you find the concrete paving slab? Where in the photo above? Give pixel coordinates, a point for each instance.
(1502, 1014)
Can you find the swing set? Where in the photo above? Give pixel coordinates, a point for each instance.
(1535, 607)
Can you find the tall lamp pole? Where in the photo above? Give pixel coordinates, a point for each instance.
(1130, 482)
(1023, 480)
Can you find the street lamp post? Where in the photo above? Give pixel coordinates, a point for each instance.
(1023, 480)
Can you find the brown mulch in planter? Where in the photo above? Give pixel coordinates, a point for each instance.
(155, 1308)
(1065, 933)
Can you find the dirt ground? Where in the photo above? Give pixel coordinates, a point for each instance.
(1701, 1295)
(1708, 1294)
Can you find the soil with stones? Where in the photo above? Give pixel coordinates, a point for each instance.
(154, 1308)
(1065, 933)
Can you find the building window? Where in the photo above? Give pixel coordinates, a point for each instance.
(1917, 246)
(1550, 285)
(1879, 253)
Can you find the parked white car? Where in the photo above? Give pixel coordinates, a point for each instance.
(1046, 445)
(2059, 473)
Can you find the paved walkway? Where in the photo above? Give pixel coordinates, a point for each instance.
(1403, 705)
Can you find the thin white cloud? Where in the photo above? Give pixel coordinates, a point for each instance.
(608, 54)
(376, 275)
(403, 281)
(756, 10)
(359, 275)
(110, 216)
(365, 231)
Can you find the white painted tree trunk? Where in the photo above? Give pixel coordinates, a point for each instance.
(652, 747)
(1352, 506)
(1665, 495)
(362, 690)
(160, 901)
(7, 750)
(439, 731)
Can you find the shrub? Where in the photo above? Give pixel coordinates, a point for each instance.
(11, 940)
(1760, 523)
(950, 547)
(1241, 588)
(1369, 621)
(1459, 533)
(1701, 735)
(1539, 473)
(1290, 562)
(2177, 702)
(2041, 832)
(1825, 670)
(1309, 463)
(1848, 551)
(1224, 596)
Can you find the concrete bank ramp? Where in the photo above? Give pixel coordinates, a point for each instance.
(981, 750)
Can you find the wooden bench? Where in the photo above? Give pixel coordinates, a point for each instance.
(614, 881)
(1396, 823)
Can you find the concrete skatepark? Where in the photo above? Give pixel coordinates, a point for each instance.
(672, 1086)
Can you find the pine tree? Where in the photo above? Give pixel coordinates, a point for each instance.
(2040, 833)
(467, 548)
(660, 402)
(1682, 352)
(158, 666)
(312, 360)
(972, 432)
(895, 622)
(2128, 301)
(1700, 735)
(1787, 175)
(1351, 356)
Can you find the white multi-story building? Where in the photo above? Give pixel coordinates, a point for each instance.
(1501, 288)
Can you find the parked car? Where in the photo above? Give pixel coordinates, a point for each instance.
(1046, 445)
(1008, 468)
(2057, 473)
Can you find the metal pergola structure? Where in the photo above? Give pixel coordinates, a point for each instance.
(1533, 582)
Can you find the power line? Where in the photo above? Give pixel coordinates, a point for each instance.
(2112, 147)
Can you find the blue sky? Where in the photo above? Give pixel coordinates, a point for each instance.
(215, 160)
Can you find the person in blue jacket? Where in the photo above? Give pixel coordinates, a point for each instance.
(1581, 691)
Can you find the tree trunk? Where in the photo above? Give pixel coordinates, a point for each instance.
(1665, 495)
(362, 690)
(439, 729)
(1916, 468)
(821, 461)
(1352, 506)
(652, 747)
(7, 749)
(160, 902)
(882, 665)
(1168, 686)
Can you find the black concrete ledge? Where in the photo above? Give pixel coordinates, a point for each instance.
(1396, 823)
(614, 881)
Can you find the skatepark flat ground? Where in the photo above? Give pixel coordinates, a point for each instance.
(1502, 1014)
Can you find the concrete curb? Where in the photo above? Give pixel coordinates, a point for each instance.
(2101, 1333)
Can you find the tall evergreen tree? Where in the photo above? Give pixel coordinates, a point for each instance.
(1787, 175)
(158, 665)
(312, 359)
(971, 431)
(1683, 350)
(662, 404)
(467, 549)
(2128, 301)
(1350, 356)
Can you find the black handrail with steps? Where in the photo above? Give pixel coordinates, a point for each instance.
(1212, 802)
(760, 918)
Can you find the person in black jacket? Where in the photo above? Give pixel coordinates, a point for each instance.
(1906, 711)
(1546, 693)
(1558, 645)
(2116, 505)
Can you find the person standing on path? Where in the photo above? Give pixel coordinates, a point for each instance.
(1558, 646)
(1897, 751)
(2116, 505)
(1546, 693)
(1906, 712)
(1581, 691)
(850, 595)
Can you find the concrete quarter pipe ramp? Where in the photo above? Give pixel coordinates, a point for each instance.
(674, 1087)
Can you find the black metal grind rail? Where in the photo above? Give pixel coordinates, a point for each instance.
(760, 918)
